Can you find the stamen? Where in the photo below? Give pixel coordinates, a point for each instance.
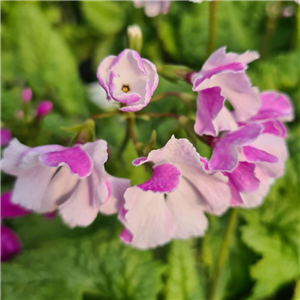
(125, 88)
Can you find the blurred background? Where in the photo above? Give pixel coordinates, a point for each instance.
(54, 48)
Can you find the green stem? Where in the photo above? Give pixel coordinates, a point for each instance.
(125, 141)
(270, 28)
(131, 131)
(158, 115)
(164, 95)
(224, 250)
(105, 115)
(212, 27)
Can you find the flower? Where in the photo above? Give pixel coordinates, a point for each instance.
(10, 242)
(9, 209)
(72, 180)
(26, 95)
(135, 38)
(223, 77)
(5, 136)
(128, 79)
(251, 160)
(44, 108)
(172, 203)
(275, 108)
(153, 8)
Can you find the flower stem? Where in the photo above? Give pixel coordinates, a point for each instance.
(105, 115)
(274, 12)
(164, 95)
(131, 131)
(224, 250)
(212, 26)
(158, 115)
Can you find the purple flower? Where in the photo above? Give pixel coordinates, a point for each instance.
(172, 203)
(128, 79)
(72, 180)
(153, 8)
(9, 209)
(44, 108)
(10, 243)
(26, 94)
(223, 77)
(5, 136)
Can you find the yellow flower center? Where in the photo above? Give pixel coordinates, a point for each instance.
(125, 88)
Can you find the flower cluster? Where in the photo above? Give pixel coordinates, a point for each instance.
(248, 154)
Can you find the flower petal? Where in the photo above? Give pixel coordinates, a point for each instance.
(75, 158)
(187, 211)
(165, 179)
(9, 209)
(148, 218)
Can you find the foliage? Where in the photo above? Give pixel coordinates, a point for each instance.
(55, 47)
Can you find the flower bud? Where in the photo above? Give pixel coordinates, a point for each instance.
(26, 94)
(5, 136)
(175, 73)
(44, 108)
(135, 38)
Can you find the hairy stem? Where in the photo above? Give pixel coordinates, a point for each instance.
(212, 27)
(224, 250)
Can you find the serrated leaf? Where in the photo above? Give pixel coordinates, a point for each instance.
(272, 231)
(183, 280)
(45, 60)
(67, 269)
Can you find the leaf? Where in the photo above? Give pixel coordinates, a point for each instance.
(105, 17)
(273, 232)
(279, 73)
(45, 60)
(68, 269)
(183, 280)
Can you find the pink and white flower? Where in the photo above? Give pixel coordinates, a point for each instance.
(223, 77)
(128, 79)
(275, 109)
(153, 8)
(251, 160)
(72, 180)
(172, 204)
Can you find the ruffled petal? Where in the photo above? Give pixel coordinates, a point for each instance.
(115, 200)
(148, 218)
(187, 211)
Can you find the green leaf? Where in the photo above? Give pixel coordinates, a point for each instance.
(273, 232)
(279, 73)
(105, 17)
(183, 280)
(68, 269)
(45, 60)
